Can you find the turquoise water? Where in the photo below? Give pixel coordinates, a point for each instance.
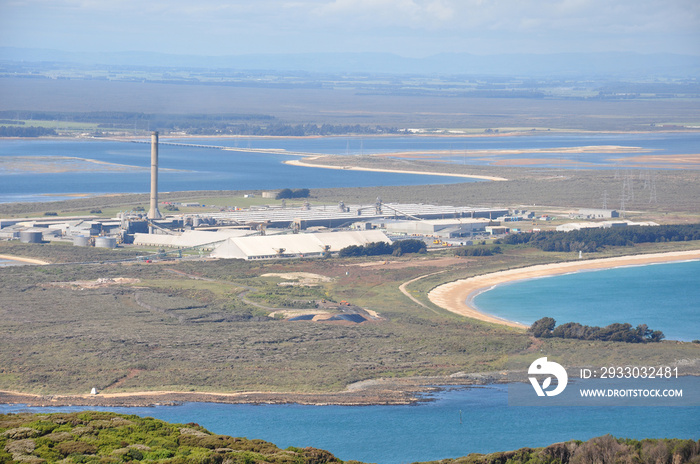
(426, 431)
(665, 297)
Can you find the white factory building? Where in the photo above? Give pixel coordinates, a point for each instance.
(294, 245)
(443, 228)
(568, 227)
(189, 238)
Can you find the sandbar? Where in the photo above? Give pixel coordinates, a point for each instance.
(23, 260)
(457, 296)
(396, 171)
(517, 151)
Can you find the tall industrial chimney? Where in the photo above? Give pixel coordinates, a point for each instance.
(153, 212)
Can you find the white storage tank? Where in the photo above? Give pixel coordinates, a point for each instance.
(81, 240)
(30, 236)
(106, 242)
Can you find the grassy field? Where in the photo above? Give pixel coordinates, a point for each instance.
(188, 326)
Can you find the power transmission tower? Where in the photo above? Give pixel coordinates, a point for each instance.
(652, 190)
(630, 187)
(624, 196)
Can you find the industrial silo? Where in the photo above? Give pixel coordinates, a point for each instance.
(81, 240)
(30, 236)
(106, 242)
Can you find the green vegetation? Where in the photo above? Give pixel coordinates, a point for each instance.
(590, 240)
(478, 251)
(287, 296)
(398, 248)
(105, 438)
(605, 450)
(289, 130)
(545, 328)
(31, 131)
(289, 193)
(192, 124)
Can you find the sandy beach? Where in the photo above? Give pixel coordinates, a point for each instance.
(23, 260)
(397, 171)
(457, 296)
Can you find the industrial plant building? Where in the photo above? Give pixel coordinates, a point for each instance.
(600, 225)
(294, 245)
(189, 238)
(342, 215)
(261, 232)
(439, 228)
(593, 213)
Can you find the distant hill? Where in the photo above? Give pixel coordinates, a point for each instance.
(614, 64)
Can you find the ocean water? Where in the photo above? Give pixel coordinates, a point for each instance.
(665, 297)
(424, 431)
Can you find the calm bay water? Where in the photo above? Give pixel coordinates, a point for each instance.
(191, 168)
(181, 169)
(665, 297)
(426, 431)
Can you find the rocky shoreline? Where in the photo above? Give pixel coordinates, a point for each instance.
(365, 393)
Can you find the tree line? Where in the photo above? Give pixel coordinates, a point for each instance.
(31, 131)
(590, 240)
(287, 130)
(478, 251)
(199, 124)
(546, 328)
(289, 193)
(127, 117)
(397, 248)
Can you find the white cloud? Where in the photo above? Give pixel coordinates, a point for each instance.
(212, 26)
(416, 14)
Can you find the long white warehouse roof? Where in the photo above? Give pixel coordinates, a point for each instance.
(271, 246)
(189, 238)
(277, 214)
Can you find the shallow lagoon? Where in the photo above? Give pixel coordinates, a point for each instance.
(191, 168)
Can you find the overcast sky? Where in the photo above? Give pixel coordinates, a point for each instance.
(411, 28)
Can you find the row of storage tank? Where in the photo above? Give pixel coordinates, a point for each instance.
(100, 242)
(33, 236)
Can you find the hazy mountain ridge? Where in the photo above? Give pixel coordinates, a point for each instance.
(617, 64)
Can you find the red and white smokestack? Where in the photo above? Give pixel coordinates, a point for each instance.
(153, 212)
